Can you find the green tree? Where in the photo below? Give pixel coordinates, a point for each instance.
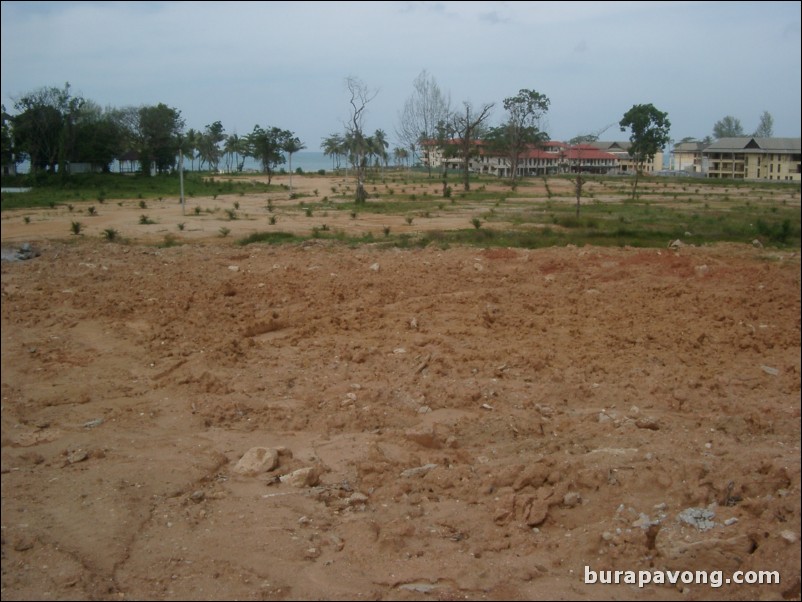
(468, 125)
(9, 160)
(43, 127)
(292, 145)
(649, 133)
(765, 128)
(334, 146)
(521, 129)
(99, 137)
(728, 127)
(266, 146)
(379, 146)
(209, 145)
(158, 132)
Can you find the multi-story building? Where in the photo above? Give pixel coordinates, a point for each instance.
(687, 156)
(550, 158)
(626, 163)
(755, 158)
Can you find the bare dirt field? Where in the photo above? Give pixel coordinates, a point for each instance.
(311, 421)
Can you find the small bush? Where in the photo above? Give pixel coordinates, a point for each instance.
(145, 220)
(76, 227)
(477, 223)
(110, 234)
(91, 211)
(143, 205)
(224, 232)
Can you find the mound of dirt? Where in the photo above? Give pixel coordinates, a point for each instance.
(316, 422)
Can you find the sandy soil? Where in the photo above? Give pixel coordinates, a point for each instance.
(458, 424)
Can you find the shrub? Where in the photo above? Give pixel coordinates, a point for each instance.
(76, 227)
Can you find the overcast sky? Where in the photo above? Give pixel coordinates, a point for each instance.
(284, 63)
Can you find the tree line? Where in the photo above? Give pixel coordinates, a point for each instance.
(54, 128)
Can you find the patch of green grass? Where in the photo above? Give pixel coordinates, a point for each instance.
(47, 189)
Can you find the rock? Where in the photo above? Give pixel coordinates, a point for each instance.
(425, 436)
(303, 477)
(418, 471)
(93, 423)
(78, 455)
(757, 244)
(770, 370)
(26, 251)
(257, 460)
(357, 499)
(701, 518)
(571, 499)
(23, 543)
(538, 512)
(234, 268)
(789, 536)
(644, 522)
(647, 423)
(374, 267)
(676, 244)
(197, 496)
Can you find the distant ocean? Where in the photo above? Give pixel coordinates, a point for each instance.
(309, 161)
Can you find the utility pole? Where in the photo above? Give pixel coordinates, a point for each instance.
(181, 179)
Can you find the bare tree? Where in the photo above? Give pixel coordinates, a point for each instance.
(423, 110)
(577, 142)
(467, 125)
(354, 133)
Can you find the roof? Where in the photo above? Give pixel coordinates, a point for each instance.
(613, 145)
(583, 152)
(689, 147)
(787, 145)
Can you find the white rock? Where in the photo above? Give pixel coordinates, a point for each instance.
(257, 460)
(374, 267)
(303, 477)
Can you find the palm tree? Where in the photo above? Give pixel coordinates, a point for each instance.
(191, 143)
(334, 147)
(380, 145)
(292, 145)
(231, 150)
